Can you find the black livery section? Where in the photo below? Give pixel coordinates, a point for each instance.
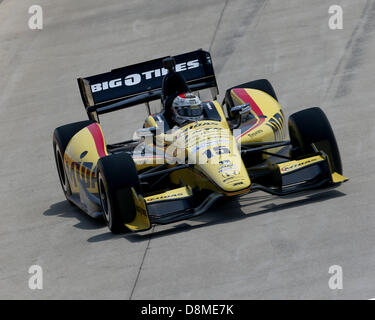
(142, 82)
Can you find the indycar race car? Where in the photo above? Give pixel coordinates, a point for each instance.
(167, 173)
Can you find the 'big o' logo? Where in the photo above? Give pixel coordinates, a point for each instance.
(136, 78)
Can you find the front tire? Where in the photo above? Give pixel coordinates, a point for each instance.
(117, 175)
(311, 126)
(59, 159)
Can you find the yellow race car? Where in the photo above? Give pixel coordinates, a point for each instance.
(169, 173)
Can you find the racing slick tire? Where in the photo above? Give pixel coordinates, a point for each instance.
(117, 175)
(61, 137)
(262, 85)
(312, 126)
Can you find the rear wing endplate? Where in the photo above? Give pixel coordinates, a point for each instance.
(142, 82)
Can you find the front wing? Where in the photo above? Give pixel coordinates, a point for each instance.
(288, 178)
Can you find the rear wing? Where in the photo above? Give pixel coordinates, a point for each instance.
(142, 82)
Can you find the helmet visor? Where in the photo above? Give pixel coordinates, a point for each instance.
(190, 111)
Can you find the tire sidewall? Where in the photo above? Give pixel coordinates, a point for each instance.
(61, 169)
(105, 200)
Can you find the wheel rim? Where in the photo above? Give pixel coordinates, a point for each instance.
(61, 170)
(104, 200)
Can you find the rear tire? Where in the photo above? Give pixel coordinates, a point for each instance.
(117, 174)
(262, 85)
(61, 137)
(312, 126)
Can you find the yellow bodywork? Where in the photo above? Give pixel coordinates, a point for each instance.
(338, 178)
(81, 162)
(269, 117)
(141, 220)
(213, 150)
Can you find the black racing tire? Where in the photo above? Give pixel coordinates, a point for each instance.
(262, 85)
(311, 126)
(117, 174)
(61, 137)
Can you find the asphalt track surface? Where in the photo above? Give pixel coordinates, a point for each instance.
(259, 247)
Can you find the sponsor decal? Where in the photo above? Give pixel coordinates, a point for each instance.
(201, 124)
(255, 133)
(227, 179)
(136, 78)
(81, 172)
(166, 197)
(229, 170)
(223, 162)
(297, 165)
(209, 143)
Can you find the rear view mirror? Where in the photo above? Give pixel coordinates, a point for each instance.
(241, 114)
(241, 109)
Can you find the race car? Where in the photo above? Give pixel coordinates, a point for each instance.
(169, 172)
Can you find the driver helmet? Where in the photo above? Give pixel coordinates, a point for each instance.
(186, 107)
